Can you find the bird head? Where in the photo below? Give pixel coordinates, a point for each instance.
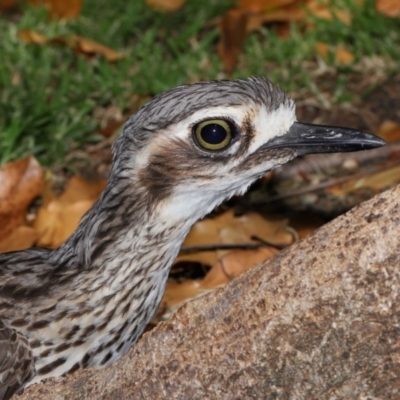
(196, 145)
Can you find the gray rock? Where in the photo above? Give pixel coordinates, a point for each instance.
(321, 320)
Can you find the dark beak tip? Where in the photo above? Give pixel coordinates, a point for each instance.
(372, 142)
(379, 142)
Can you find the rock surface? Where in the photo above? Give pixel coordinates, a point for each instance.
(321, 320)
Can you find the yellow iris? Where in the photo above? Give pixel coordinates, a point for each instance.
(213, 134)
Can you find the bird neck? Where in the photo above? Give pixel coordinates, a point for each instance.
(112, 272)
(124, 233)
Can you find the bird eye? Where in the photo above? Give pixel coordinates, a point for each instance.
(213, 134)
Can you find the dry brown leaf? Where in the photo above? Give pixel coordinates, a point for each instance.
(90, 47)
(259, 6)
(63, 9)
(56, 223)
(283, 30)
(79, 44)
(6, 5)
(79, 189)
(176, 293)
(264, 11)
(342, 56)
(29, 36)
(233, 264)
(325, 10)
(228, 229)
(389, 8)
(58, 219)
(20, 238)
(390, 131)
(48, 194)
(203, 233)
(110, 129)
(20, 182)
(289, 13)
(375, 182)
(267, 11)
(46, 223)
(165, 5)
(253, 224)
(233, 27)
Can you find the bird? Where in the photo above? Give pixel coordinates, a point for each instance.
(179, 156)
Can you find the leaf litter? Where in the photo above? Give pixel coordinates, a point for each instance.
(20, 183)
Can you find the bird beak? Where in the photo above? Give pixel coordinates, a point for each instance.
(309, 139)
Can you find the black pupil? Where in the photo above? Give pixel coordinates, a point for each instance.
(213, 133)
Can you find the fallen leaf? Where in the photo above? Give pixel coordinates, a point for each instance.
(388, 8)
(46, 224)
(228, 229)
(205, 232)
(266, 11)
(6, 5)
(29, 36)
(20, 238)
(59, 218)
(325, 10)
(283, 30)
(20, 182)
(253, 224)
(79, 189)
(342, 56)
(233, 264)
(60, 9)
(375, 182)
(177, 292)
(233, 34)
(90, 47)
(80, 45)
(259, 6)
(390, 131)
(165, 5)
(291, 12)
(55, 224)
(110, 129)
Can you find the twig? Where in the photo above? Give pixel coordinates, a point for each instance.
(269, 244)
(231, 246)
(320, 162)
(319, 186)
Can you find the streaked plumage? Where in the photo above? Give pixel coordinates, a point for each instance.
(16, 361)
(87, 302)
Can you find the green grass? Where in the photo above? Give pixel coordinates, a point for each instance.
(48, 94)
